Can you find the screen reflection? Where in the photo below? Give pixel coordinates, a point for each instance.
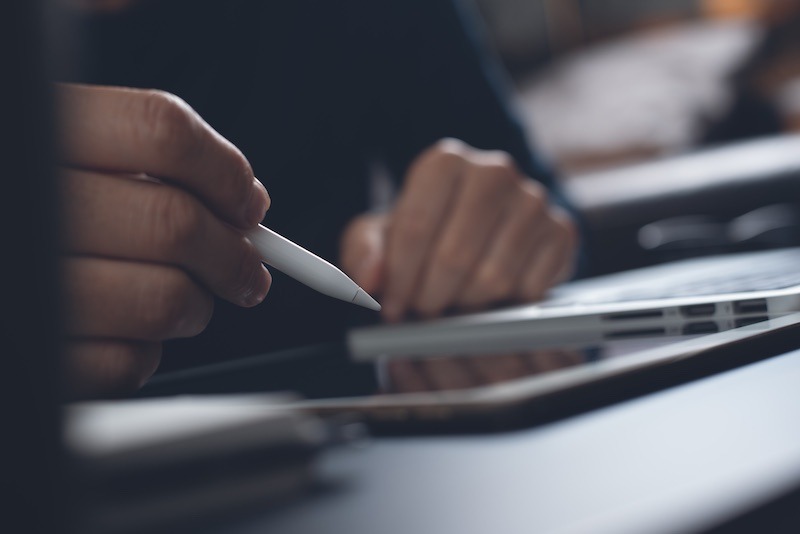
(460, 372)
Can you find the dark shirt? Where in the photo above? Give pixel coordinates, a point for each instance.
(314, 92)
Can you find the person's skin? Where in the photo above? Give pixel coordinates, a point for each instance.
(468, 231)
(155, 202)
(154, 207)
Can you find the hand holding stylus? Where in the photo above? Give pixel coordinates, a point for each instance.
(143, 258)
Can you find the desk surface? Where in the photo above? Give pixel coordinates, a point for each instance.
(678, 460)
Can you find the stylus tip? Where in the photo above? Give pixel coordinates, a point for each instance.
(363, 299)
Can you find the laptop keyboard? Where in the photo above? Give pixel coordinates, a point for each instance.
(716, 286)
(776, 271)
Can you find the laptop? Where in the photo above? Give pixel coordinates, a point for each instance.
(685, 298)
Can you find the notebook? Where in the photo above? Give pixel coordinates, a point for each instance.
(690, 297)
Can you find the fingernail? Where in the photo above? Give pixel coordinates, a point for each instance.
(259, 204)
(264, 191)
(259, 293)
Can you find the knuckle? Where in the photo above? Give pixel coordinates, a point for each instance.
(534, 189)
(497, 177)
(446, 156)
(502, 160)
(176, 220)
(170, 127)
(532, 201)
(448, 146)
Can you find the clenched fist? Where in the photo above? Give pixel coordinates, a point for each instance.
(468, 231)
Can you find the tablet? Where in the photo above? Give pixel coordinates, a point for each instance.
(453, 392)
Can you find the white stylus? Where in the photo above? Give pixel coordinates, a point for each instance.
(307, 268)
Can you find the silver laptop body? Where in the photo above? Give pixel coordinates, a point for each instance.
(691, 297)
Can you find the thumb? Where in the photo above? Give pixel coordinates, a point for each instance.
(363, 251)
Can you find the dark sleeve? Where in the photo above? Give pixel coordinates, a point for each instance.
(436, 77)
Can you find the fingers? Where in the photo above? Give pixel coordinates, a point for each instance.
(551, 262)
(522, 233)
(144, 221)
(523, 228)
(117, 313)
(486, 191)
(470, 231)
(421, 209)
(132, 301)
(145, 254)
(109, 367)
(152, 132)
(363, 250)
